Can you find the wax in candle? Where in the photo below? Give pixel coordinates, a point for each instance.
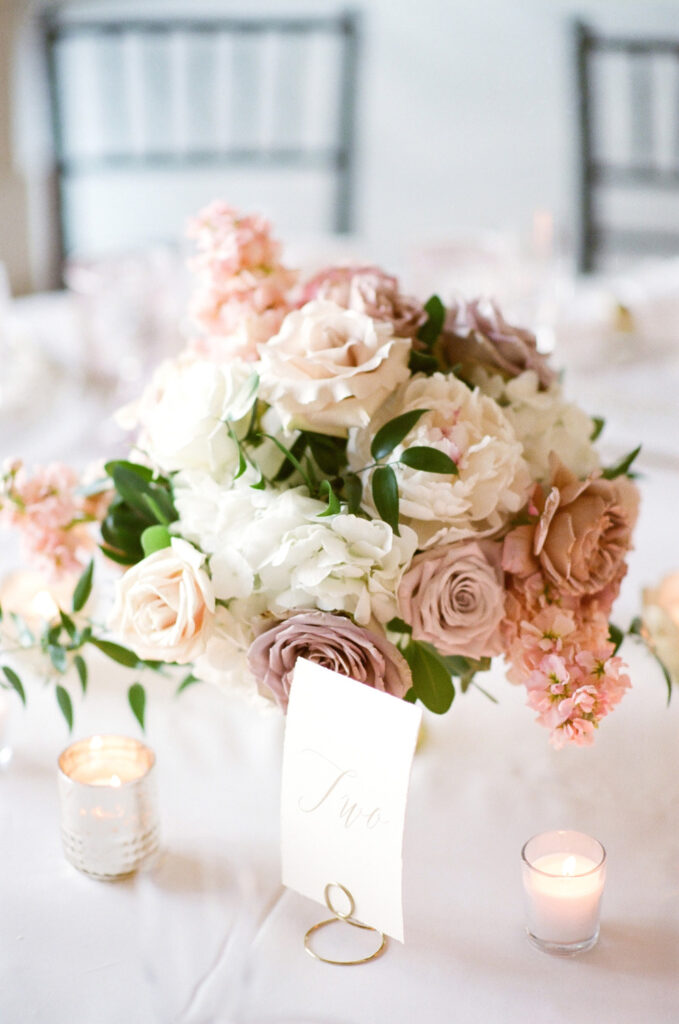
(563, 892)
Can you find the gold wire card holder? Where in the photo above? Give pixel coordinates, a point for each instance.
(342, 917)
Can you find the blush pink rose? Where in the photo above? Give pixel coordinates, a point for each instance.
(368, 290)
(329, 640)
(581, 537)
(453, 597)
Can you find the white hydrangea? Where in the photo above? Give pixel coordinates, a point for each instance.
(543, 421)
(182, 415)
(224, 662)
(493, 478)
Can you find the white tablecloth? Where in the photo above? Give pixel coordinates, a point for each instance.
(208, 936)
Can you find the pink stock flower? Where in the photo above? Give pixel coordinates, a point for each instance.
(49, 514)
(239, 272)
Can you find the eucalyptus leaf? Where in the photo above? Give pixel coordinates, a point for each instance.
(385, 496)
(65, 706)
(136, 696)
(430, 460)
(155, 538)
(393, 432)
(81, 669)
(432, 683)
(83, 588)
(14, 681)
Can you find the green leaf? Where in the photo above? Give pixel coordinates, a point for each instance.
(393, 432)
(143, 472)
(353, 489)
(83, 588)
(14, 681)
(136, 696)
(411, 695)
(636, 627)
(65, 706)
(57, 656)
(287, 467)
(436, 315)
(385, 496)
(155, 538)
(81, 669)
(430, 460)
(260, 485)
(186, 682)
(333, 501)
(1, 613)
(68, 624)
(24, 632)
(668, 678)
(599, 424)
(397, 625)
(615, 636)
(115, 652)
(329, 453)
(420, 362)
(621, 467)
(290, 457)
(431, 681)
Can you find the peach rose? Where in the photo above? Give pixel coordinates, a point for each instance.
(164, 605)
(582, 535)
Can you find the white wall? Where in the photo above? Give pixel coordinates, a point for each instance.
(466, 110)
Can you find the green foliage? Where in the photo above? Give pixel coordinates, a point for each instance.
(15, 683)
(136, 696)
(155, 538)
(432, 327)
(637, 629)
(329, 453)
(115, 652)
(615, 636)
(291, 458)
(432, 682)
(385, 496)
(430, 460)
(353, 490)
(288, 467)
(81, 669)
(393, 432)
(83, 588)
(599, 424)
(187, 681)
(141, 500)
(333, 501)
(397, 625)
(65, 705)
(621, 468)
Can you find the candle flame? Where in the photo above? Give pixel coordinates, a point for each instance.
(115, 780)
(44, 605)
(569, 866)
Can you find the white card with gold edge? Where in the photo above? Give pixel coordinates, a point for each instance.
(347, 757)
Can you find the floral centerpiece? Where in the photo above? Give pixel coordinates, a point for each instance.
(332, 469)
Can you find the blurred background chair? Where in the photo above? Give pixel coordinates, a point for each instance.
(628, 135)
(156, 113)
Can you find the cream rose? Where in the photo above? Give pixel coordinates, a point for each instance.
(492, 481)
(330, 368)
(164, 605)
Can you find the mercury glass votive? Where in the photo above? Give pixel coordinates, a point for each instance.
(109, 807)
(563, 881)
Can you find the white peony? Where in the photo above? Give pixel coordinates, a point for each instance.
(342, 563)
(543, 422)
(330, 368)
(164, 605)
(182, 415)
(493, 478)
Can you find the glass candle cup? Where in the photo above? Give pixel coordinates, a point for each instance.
(563, 881)
(109, 814)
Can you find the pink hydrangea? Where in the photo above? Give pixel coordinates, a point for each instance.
(239, 274)
(49, 513)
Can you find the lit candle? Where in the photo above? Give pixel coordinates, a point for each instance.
(563, 879)
(109, 821)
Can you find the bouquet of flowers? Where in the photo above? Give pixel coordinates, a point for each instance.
(331, 469)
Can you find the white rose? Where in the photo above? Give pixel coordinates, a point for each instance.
(182, 414)
(330, 368)
(164, 605)
(343, 563)
(543, 422)
(492, 481)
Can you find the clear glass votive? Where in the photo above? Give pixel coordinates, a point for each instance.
(109, 806)
(563, 881)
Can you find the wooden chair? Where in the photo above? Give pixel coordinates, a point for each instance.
(638, 168)
(123, 45)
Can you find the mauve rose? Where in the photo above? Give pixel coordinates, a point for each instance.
(453, 597)
(329, 640)
(476, 332)
(582, 535)
(368, 290)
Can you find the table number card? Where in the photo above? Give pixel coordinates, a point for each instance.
(346, 766)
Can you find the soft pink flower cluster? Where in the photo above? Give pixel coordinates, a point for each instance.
(240, 278)
(570, 671)
(49, 513)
